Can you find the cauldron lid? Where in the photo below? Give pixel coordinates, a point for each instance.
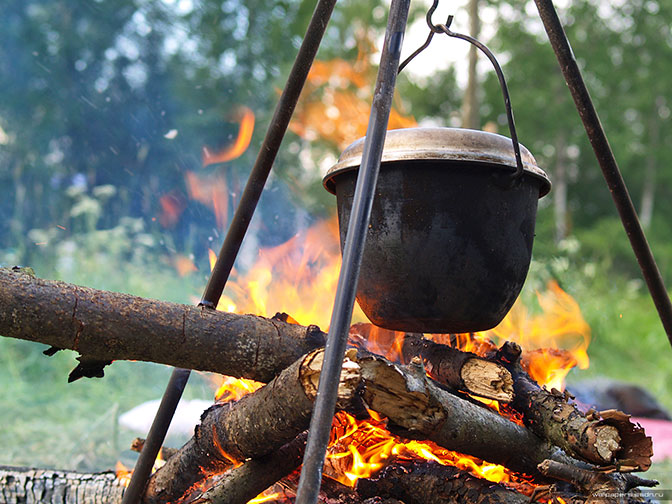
(449, 144)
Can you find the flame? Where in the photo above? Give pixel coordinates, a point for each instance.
(359, 449)
(172, 206)
(555, 340)
(239, 146)
(232, 389)
(184, 265)
(335, 103)
(300, 276)
(124, 474)
(263, 497)
(213, 191)
(297, 277)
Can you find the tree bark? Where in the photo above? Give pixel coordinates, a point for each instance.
(105, 326)
(255, 426)
(40, 486)
(432, 483)
(460, 370)
(612, 439)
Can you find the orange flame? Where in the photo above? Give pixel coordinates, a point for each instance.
(335, 104)
(359, 449)
(212, 191)
(264, 498)
(184, 265)
(124, 474)
(239, 146)
(298, 277)
(232, 389)
(172, 206)
(555, 340)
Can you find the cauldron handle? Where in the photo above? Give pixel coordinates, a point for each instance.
(445, 28)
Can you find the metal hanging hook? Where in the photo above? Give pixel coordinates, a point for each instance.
(445, 28)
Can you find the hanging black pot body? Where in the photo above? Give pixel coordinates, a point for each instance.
(450, 238)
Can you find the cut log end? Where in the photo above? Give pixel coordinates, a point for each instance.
(487, 379)
(607, 442)
(309, 375)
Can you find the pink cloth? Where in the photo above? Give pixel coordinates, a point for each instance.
(661, 434)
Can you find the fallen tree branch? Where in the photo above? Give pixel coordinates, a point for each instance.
(603, 439)
(41, 486)
(105, 326)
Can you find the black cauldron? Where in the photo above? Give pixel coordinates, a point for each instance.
(450, 237)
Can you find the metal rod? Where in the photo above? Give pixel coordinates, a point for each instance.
(607, 161)
(235, 235)
(157, 433)
(323, 412)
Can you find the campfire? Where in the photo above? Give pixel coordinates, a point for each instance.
(366, 446)
(421, 418)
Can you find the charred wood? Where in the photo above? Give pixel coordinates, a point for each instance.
(603, 439)
(105, 326)
(246, 481)
(598, 486)
(432, 483)
(42, 486)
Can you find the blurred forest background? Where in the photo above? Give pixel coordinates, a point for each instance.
(128, 128)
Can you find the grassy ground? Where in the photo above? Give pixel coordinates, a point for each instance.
(49, 423)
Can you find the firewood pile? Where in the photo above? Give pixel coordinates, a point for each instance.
(434, 422)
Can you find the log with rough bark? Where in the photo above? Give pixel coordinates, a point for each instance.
(599, 487)
(41, 486)
(105, 326)
(417, 408)
(422, 482)
(255, 426)
(460, 370)
(603, 439)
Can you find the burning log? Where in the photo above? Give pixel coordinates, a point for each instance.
(255, 426)
(105, 326)
(601, 487)
(432, 483)
(602, 439)
(460, 370)
(246, 481)
(418, 409)
(38, 486)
